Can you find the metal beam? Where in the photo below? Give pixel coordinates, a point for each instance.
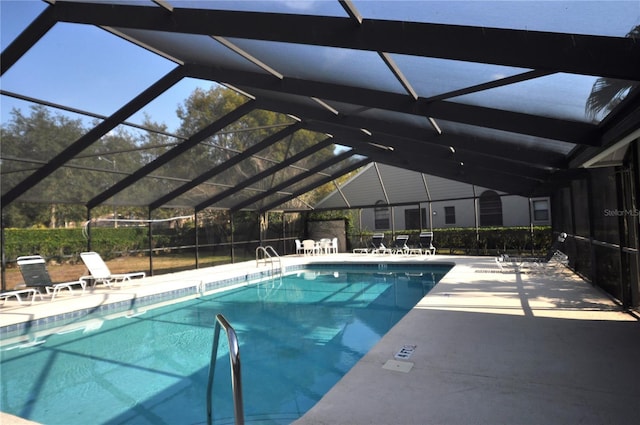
(420, 141)
(612, 57)
(27, 38)
(477, 166)
(318, 168)
(620, 124)
(479, 160)
(192, 141)
(321, 121)
(316, 184)
(351, 10)
(501, 82)
(516, 122)
(225, 165)
(94, 134)
(433, 162)
(393, 67)
(248, 182)
(86, 113)
(455, 170)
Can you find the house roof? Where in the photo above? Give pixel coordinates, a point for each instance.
(396, 186)
(489, 93)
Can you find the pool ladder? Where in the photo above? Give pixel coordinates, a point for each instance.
(234, 359)
(269, 255)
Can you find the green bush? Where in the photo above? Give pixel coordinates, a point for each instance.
(65, 244)
(487, 240)
(57, 243)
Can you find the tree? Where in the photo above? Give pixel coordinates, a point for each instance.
(27, 143)
(204, 107)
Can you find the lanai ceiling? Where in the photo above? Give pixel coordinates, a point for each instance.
(488, 93)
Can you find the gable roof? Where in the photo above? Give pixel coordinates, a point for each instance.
(396, 186)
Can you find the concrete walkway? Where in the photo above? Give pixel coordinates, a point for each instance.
(497, 348)
(491, 347)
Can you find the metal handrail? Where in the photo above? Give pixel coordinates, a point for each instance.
(268, 256)
(234, 360)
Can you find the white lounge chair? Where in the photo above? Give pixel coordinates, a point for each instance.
(426, 243)
(34, 272)
(100, 273)
(376, 246)
(400, 244)
(19, 293)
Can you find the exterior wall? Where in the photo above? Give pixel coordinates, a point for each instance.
(515, 212)
(328, 229)
(464, 213)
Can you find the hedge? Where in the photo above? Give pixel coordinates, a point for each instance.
(487, 241)
(66, 244)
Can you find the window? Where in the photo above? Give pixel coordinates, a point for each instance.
(490, 209)
(540, 209)
(449, 215)
(381, 213)
(412, 218)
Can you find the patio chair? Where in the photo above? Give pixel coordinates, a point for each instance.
(100, 273)
(299, 249)
(426, 243)
(325, 245)
(310, 247)
(555, 257)
(551, 264)
(34, 272)
(19, 293)
(399, 245)
(333, 248)
(376, 245)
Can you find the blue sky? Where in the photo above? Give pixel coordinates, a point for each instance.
(78, 66)
(89, 69)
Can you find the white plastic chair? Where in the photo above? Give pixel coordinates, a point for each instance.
(299, 249)
(309, 247)
(333, 248)
(324, 247)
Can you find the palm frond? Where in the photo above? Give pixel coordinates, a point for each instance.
(607, 93)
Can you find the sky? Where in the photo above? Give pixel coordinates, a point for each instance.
(78, 66)
(89, 69)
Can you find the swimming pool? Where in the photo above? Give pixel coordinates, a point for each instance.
(298, 336)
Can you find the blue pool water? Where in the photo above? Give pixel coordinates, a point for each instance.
(298, 336)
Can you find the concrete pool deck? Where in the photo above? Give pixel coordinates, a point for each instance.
(491, 347)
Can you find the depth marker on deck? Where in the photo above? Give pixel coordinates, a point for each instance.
(405, 352)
